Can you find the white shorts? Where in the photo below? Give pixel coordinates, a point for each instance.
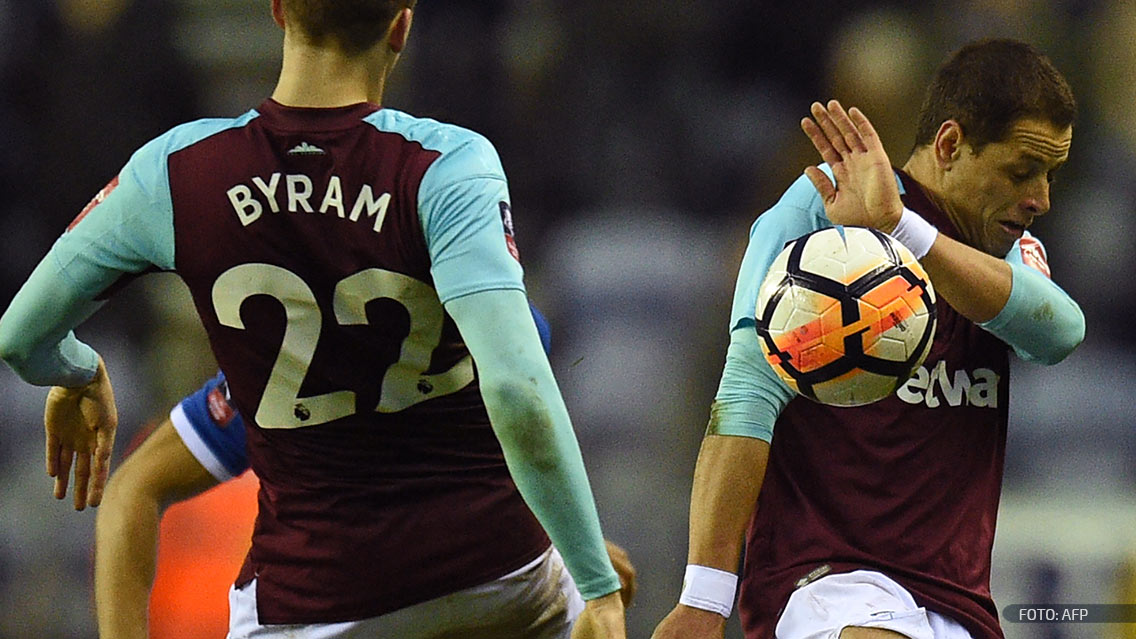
(864, 599)
(538, 601)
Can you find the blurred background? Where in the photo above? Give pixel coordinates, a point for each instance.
(641, 140)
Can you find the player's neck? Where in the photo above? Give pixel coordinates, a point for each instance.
(922, 168)
(318, 77)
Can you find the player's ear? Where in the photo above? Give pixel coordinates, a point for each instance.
(278, 13)
(948, 143)
(399, 30)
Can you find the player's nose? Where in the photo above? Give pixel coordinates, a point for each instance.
(1036, 201)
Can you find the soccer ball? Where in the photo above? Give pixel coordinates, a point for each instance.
(845, 315)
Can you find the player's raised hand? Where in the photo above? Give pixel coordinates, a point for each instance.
(79, 424)
(865, 192)
(602, 618)
(685, 622)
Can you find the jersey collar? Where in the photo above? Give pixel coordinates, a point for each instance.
(289, 118)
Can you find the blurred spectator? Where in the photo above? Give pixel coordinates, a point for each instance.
(877, 61)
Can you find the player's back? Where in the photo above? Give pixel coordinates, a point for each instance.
(309, 239)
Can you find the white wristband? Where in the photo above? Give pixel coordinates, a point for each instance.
(709, 589)
(915, 233)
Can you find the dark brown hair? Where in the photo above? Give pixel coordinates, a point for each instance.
(353, 25)
(988, 85)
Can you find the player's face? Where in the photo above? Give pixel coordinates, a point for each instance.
(998, 192)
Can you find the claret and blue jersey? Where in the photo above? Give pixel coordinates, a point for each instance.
(319, 246)
(214, 431)
(908, 486)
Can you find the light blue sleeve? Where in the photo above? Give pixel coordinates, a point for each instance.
(750, 395)
(126, 230)
(799, 211)
(464, 206)
(1040, 321)
(130, 230)
(531, 421)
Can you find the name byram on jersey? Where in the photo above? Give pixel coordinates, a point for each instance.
(298, 196)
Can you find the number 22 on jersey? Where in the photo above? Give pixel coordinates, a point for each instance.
(404, 384)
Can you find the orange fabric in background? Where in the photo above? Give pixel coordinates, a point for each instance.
(201, 546)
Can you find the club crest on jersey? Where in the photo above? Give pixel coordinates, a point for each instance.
(510, 237)
(1033, 255)
(220, 409)
(95, 201)
(306, 148)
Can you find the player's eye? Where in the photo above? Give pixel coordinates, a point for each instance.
(1019, 176)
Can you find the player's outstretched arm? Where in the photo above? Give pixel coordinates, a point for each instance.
(160, 472)
(727, 480)
(1040, 321)
(865, 193)
(121, 232)
(80, 416)
(531, 421)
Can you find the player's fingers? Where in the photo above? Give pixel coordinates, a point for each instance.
(864, 126)
(832, 133)
(104, 445)
(63, 474)
(628, 581)
(51, 448)
(823, 185)
(843, 124)
(82, 479)
(59, 490)
(820, 141)
(628, 584)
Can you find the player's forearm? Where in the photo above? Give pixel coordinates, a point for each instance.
(1040, 320)
(531, 422)
(731, 462)
(727, 480)
(35, 331)
(126, 534)
(162, 471)
(1016, 303)
(545, 462)
(975, 284)
(130, 231)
